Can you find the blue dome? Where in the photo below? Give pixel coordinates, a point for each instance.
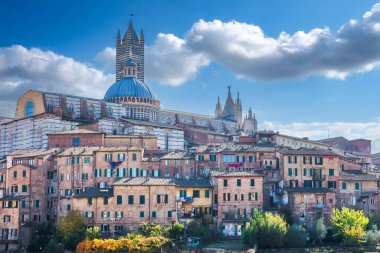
(128, 87)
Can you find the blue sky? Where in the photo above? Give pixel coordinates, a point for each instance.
(80, 30)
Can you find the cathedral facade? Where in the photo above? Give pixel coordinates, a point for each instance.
(128, 108)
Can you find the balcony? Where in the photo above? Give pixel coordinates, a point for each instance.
(320, 205)
(189, 215)
(184, 199)
(233, 216)
(319, 177)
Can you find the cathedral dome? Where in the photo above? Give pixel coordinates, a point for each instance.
(128, 87)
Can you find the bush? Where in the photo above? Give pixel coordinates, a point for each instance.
(374, 220)
(372, 237)
(199, 230)
(92, 233)
(71, 228)
(318, 231)
(148, 229)
(297, 236)
(175, 232)
(286, 212)
(52, 246)
(349, 225)
(266, 230)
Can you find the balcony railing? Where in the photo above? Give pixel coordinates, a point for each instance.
(232, 216)
(184, 199)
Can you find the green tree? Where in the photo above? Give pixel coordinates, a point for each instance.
(266, 230)
(92, 233)
(175, 232)
(286, 212)
(318, 231)
(374, 220)
(349, 225)
(148, 229)
(71, 228)
(199, 230)
(52, 246)
(297, 236)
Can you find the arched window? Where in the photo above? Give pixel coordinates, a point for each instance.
(29, 108)
(71, 107)
(110, 111)
(50, 105)
(91, 109)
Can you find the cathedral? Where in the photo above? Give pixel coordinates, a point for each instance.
(128, 108)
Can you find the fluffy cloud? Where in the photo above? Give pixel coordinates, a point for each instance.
(169, 61)
(22, 69)
(320, 130)
(108, 58)
(249, 53)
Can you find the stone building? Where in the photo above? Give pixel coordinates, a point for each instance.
(356, 185)
(131, 201)
(129, 107)
(25, 196)
(236, 195)
(310, 183)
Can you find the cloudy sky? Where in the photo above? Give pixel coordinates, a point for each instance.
(307, 68)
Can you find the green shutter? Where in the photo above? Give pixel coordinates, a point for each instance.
(295, 172)
(289, 172)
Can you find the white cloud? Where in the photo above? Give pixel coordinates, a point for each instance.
(169, 61)
(108, 58)
(248, 52)
(22, 69)
(321, 130)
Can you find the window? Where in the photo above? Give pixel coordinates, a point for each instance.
(238, 182)
(105, 200)
(295, 172)
(89, 201)
(319, 160)
(344, 186)
(357, 186)
(142, 199)
(134, 157)
(201, 158)
(14, 189)
(121, 157)
(154, 214)
(130, 199)
(331, 184)
(256, 196)
(225, 182)
(24, 173)
(212, 158)
(76, 142)
(15, 174)
(169, 214)
(251, 159)
(91, 109)
(196, 194)
(142, 214)
(37, 203)
(87, 159)
(110, 111)
(119, 199)
(289, 172)
(24, 188)
(29, 108)
(207, 193)
(182, 193)
(229, 158)
(252, 182)
(304, 172)
(331, 172)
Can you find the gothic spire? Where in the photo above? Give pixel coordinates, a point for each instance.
(229, 106)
